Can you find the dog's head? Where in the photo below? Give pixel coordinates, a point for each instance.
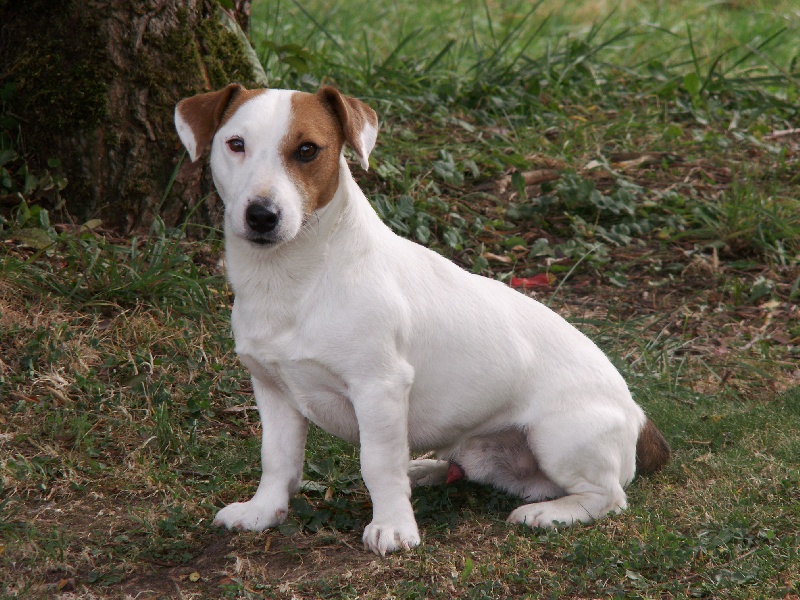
(274, 153)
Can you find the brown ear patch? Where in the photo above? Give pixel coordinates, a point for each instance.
(357, 120)
(313, 122)
(198, 118)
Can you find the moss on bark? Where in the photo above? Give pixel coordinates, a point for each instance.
(96, 85)
(60, 79)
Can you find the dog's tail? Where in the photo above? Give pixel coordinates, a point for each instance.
(652, 450)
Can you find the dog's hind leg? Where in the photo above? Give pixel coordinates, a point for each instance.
(504, 460)
(590, 456)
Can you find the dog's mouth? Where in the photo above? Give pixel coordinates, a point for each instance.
(261, 241)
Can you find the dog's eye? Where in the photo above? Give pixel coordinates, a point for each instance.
(307, 152)
(236, 144)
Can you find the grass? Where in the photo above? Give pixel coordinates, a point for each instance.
(626, 152)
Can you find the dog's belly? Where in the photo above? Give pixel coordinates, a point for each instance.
(314, 390)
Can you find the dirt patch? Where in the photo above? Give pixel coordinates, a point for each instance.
(232, 561)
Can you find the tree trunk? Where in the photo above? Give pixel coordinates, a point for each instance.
(96, 83)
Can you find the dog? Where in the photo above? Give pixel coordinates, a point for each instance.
(387, 344)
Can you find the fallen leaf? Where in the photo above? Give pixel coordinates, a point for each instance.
(540, 280)
(593, 164)
(538, 176)
(91, 224)
(626, 160)
(496, 257)
(194, 576)
(704, 458)
(633, 575)
(530, 178)
(779, 134)
(32, 237)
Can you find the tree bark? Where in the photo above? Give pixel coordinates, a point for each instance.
(95, 86)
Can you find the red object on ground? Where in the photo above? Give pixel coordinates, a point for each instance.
(454, 473)
(540, 280)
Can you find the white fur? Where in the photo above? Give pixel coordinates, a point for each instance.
(389, 345)
(367, 139)
(187, 136)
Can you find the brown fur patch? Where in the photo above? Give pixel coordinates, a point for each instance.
(203, 113)
(313, 122)
(206, 113)
(652, 450)
(353, 116)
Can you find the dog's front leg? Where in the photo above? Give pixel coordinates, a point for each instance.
(283, 442)
(382, 413)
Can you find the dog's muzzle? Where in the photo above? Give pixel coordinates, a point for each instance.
(262, 218)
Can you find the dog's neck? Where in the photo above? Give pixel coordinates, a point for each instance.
(290, 268)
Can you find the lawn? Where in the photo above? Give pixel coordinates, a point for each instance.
(633, 165)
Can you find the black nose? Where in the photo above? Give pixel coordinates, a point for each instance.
(260, 218)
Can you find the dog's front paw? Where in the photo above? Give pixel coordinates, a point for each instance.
(249, 516)
(384, 537)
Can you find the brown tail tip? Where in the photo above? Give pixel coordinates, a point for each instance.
(652, 450)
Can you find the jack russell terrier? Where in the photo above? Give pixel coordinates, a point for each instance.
(387, 344)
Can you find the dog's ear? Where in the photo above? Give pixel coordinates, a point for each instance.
(197, 118)
(359, 122)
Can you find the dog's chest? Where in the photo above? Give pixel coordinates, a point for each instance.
(312, 388)
(272, 344)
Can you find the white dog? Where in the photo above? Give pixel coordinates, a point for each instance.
(389, 345)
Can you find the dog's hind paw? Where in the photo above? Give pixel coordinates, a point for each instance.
(536, 515)
(565, 511)
(427, 471)
(249, 516)
(381, 538)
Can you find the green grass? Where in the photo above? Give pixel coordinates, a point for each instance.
(669, 224)
(507, 88)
